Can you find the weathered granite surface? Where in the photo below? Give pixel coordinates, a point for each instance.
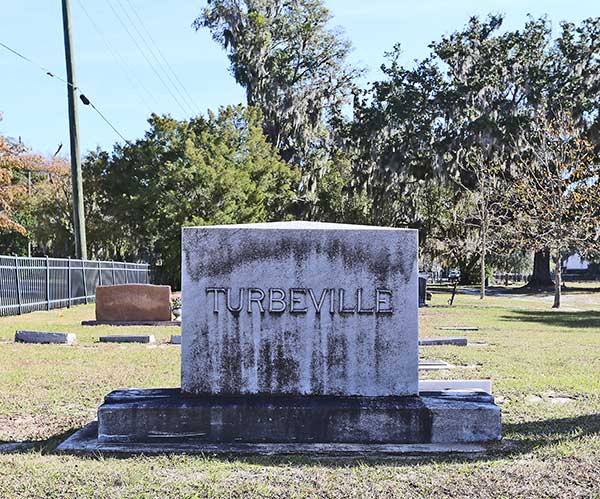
(162, 415)
(299, 308)
(133, 302)
(43, 337)
(85, 442)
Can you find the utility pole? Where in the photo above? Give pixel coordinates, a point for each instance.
(29, 197)
(76, 177)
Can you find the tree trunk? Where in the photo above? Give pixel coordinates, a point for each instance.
(557, 281)
(468, 272)
(482, 265)
(541, 270)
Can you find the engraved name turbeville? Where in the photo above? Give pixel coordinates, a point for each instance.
(299, 308)
(298, 301)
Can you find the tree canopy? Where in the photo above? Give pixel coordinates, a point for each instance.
(442, 145)
(294, 68)
(214, 170)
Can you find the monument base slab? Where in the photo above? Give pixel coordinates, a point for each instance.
(85, 442)
(156, 416)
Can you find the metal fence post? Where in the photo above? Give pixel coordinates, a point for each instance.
(69, 280)
(18, 284)
(85, 293)
(47, 283)
(99, 276)
(126, 274)
(112, 264)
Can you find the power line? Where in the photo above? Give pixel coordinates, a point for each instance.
(49, 73)
(118, 16)
(87, 102)
(166, 61)
(45, 70)
(152, 52)
(136, 84)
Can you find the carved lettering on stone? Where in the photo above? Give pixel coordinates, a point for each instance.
(277, 301)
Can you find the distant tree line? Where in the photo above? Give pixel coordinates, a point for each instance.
(454, 145)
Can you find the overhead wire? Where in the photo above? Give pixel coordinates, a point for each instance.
(82, 96)
(142, 52)
(189, 98)
(87, 102)
(138, 86)
(45, 70)
(152, 52)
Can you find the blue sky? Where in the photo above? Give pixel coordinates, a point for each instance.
(118, 80)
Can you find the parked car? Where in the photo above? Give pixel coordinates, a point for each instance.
(454, 274)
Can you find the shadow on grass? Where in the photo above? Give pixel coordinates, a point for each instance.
(510, 290)
(538, 434)
(556, 429)
(578, 320)
(44, 446)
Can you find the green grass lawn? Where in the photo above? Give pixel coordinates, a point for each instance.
(544, 364)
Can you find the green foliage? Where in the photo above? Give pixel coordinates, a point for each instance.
(557, 194)
(13, 158)
(558, 190)
(478, 89)
(511, 260)
(50, 227)
(294, 69)
(334, 198)
(402, 159)
(12, 242)
(215, 170)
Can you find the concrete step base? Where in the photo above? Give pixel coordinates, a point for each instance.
(85, 442)
(167, 416)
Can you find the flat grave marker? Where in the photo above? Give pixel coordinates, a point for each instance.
(139, 338)
(458, 328)
(45, 337)
(457, 341)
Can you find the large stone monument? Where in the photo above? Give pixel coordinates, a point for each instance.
(298, 333)
(300, 309)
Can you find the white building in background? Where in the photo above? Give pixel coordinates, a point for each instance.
(575, 262)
